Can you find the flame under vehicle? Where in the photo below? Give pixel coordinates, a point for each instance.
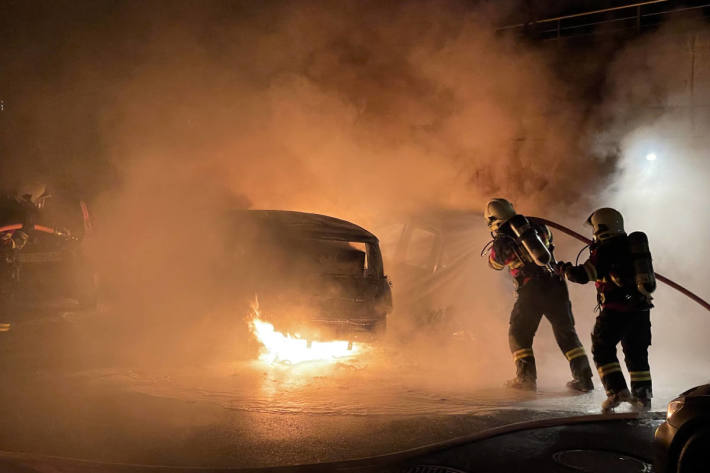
(42, 259)
(313, 275)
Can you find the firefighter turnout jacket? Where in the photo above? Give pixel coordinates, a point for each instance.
(610, 266)
(539, 293)
(625, 315)
(506, 252)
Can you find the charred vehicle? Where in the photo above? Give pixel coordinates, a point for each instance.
(434, 258)
(42, 253)
(311, 274)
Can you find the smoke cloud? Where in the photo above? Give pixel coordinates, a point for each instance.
(661, 89)
(303, 106)
(369, 111)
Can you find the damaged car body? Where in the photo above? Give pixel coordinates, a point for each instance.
(312, 275)
(433, 257)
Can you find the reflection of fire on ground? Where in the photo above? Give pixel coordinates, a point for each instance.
(285, 348)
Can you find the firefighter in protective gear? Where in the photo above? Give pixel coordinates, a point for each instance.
(33, 194)
(498, 211)
(624, 298)
(540, 292)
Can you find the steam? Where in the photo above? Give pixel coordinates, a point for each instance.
(335, 109)
(662, 180)
(367, 111)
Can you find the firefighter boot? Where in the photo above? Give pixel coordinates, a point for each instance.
(522, 384)
(583, 385)
(614, 399)
(526, 373)
(642, 404)
(581, 371)
(642, 399)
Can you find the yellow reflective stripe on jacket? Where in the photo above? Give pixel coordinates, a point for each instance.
(608, 369)
(575, 353)
(546, 236)
(4, 327)
(522, 353)
(640, 375)
(495, 264)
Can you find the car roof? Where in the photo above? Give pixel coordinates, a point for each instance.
(310, 225)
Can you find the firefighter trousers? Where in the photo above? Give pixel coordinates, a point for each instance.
(546, 296)
(633, 330)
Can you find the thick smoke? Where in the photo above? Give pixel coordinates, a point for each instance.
(370, 111)
(360, 110)
(306, 106)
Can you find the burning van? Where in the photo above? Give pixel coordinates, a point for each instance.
(312, 275)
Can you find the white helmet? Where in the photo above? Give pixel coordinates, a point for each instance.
(606, 223)
(498, 211)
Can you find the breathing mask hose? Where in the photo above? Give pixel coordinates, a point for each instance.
(659, 277)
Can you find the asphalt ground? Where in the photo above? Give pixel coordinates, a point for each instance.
(239, 413)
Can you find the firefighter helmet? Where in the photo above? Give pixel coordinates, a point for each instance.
(33, 193)
(606, 223)
(498, 211)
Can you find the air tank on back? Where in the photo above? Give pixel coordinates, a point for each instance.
(642, 263)
(531, 241)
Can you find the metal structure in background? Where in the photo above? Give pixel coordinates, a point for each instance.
(633, 18)
(619, 24)
(659, 277)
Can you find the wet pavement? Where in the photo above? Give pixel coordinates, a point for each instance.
(243, 413)
(80, 416)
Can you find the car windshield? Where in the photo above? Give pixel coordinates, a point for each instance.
(339, 257)
(265, 234)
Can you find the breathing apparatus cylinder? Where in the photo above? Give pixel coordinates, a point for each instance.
(531, 242)
(642, 263)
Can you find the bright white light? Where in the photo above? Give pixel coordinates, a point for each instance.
(651, 157)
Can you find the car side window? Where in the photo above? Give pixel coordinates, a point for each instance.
(420, 250)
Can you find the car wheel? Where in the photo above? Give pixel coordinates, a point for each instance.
(695, 455)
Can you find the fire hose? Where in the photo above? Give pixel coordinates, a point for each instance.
(659, 277)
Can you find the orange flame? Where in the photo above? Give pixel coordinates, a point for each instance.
(283, 348)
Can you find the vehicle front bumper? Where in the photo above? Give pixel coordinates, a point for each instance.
(352, 328)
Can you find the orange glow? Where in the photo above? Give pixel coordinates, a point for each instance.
(277, 347)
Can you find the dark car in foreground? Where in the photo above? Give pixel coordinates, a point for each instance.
(311, 274)
(682, 442)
